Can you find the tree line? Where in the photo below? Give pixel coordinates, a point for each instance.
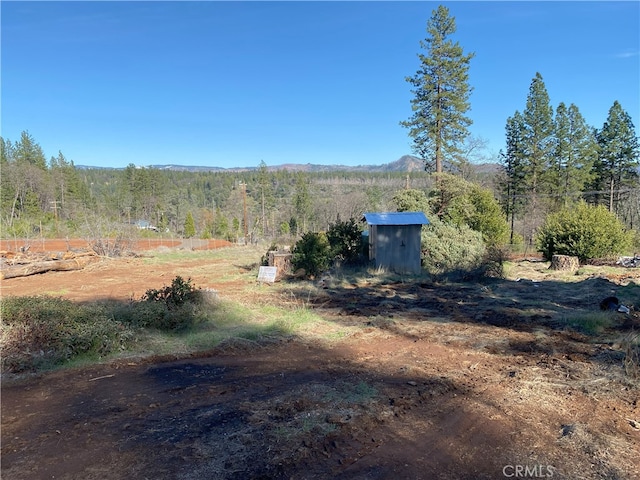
(552, 158)
(55, 198)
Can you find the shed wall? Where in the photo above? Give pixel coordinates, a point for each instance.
(396, 247)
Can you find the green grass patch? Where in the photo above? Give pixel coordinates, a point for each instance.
(248, 254)
(43, 332)
(591, 323)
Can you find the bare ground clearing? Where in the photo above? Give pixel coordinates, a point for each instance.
(443, 381)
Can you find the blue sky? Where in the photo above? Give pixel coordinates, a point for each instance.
(233, 83)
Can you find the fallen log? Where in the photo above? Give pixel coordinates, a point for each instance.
(47, 266)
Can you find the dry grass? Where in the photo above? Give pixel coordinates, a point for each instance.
(631, 348)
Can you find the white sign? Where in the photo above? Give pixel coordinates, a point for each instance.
(267, 274)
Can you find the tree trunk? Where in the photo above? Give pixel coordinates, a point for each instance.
(46, 266)
(611, 195)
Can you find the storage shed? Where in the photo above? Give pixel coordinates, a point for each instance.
(394, 240)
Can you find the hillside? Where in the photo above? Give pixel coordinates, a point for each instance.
(406, 163)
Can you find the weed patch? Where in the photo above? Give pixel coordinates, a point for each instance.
(631, 348)
(591, 323)
(41, 332)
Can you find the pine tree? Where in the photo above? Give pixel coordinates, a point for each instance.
(575, 150)
(6, 152)
(25, 179)
(27, 151)
(441, 88)
(302, 202)
(7, 192)
(538, 134)
(513, 185)
(617, 163)
(189, 226)
(267, 199)
(538, 148)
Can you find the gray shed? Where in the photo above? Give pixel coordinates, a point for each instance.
(394, 240)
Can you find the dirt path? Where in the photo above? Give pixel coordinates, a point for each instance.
(374, 409)
(436, 383)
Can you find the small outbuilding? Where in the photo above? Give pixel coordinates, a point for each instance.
(394, 240)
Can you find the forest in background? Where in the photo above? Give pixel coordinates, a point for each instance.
(56, 199)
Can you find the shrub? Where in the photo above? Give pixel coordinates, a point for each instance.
(174, 307)
(189, 226)
(460, 202)
(345, 239)
(449, 248)
(175, 295)
(486, 217)
(583, 231)
(411, 200)
(312, 253)
(38, 332)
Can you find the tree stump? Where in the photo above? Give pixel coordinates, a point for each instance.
(282, 260)
(564, 262)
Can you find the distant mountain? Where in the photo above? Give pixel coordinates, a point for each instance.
(406, 163)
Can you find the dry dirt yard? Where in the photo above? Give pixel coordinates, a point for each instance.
(424, 381)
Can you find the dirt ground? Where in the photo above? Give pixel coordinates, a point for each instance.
(436, 381)
(63, 245)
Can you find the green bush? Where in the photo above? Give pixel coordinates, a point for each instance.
(460, 202)
(411, 200)
(345, 239)
(312, 253)
(175, 295)
(487, 217)
(448, 248)
(174, 307)
(583, 231)
(41, 331)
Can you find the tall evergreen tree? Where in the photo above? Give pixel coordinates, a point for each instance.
(26, 177)
(513, 185)
(538, 134)
(575, 150)
(302, 202)
(7, 192)
(67, 183)
(538, 148)
(441, 93)
(28, 151)
(267, 200)
(617, 163)
(6, 152)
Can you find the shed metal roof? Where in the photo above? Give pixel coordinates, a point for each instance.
(396, 218)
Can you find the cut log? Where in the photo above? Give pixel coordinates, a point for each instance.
(564, 262)
(47, 266)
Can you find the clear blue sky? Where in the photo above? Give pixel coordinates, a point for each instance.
(233, 83)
